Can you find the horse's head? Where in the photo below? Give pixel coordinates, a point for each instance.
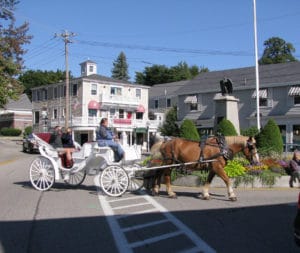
(250, 151)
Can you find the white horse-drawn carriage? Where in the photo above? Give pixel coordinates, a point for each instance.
(90, 159)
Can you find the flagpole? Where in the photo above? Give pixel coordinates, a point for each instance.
(256, 67)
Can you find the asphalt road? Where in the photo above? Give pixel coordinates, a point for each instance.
(85, 220)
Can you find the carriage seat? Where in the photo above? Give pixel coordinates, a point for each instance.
(106, 151)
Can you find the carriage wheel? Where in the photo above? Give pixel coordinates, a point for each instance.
(114, 180)
(136, 179)
(76, 179)
(42, 174)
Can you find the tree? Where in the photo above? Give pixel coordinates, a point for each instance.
(269, 139)
(120, 69)
(158, 74)
(33, 78)
(12, 38)
(226, 128)
(169, 127)
(189, 131)
(277, 51)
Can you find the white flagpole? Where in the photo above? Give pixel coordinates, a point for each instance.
(256, 67)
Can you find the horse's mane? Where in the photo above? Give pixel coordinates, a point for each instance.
(236, 140)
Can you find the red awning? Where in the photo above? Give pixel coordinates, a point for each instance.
(94, 105)
(140, 108)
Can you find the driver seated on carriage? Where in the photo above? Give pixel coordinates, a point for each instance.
(105, 137)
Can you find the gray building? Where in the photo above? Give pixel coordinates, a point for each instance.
(279, 97)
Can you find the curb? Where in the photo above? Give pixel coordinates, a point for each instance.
(193, 181)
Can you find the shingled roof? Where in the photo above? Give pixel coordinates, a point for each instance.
(269, 75)
(22, 104)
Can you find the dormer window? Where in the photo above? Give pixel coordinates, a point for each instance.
(295, 92)
(263, 97)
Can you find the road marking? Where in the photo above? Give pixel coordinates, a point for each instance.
(196, 244)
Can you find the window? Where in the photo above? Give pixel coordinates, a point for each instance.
(92, 113)
(121, 113)
(91, 68)
(156, 103)
(36, 117)
(297, 100)
(112, 112)
(169, 102)
(193, 107)
(55, 92)
(138, 93)
(74, 89)
(139, 115)
(116, 91)
(94, 89)
(55, 114)
(263, 97)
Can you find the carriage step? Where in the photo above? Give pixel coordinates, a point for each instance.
(139, 223)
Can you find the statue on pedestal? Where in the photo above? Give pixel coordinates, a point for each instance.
(226, 86)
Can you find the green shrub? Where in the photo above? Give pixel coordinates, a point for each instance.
(226, 128)
(27, 130)
(269, 139)
(189, 131)
(234, 168)
(5, 131)
(251, 131)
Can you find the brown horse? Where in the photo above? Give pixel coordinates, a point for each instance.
(216, 153)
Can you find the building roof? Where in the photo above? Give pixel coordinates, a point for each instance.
(269, 75)
(166, 89)
(22, 104)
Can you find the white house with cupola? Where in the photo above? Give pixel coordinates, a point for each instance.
(93, 97)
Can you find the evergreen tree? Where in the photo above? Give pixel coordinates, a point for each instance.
(189, 131)
(170, 127)
(226, 128)
(269, 139)
(12, 38)
(120, 69)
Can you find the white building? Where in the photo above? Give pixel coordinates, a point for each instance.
(93, 97)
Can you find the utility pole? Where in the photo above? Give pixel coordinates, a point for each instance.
(66, 38)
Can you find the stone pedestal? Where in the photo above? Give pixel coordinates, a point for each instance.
(227, 107)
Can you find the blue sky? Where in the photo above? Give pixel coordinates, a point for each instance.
(208, 33)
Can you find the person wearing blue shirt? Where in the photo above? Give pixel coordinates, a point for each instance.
(105, 137)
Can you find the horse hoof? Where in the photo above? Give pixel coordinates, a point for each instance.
(206, 197)
(155, 194)
(233, 199)
(174, 196)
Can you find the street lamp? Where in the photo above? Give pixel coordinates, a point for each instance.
(45, 119)
(148, 139)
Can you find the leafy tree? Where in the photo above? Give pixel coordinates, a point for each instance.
(277, 51)
(269, 139)
(120, 69)
(33, 78)
(226, 128)
(189, 131)
(158, 74)
(12, 38)
(170, 127)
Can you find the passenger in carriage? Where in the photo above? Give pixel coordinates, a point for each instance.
(58, 140)
(105, 137)
(68, 144)
(55, 139)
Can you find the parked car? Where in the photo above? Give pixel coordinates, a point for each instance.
(297, 224)
(30, 145)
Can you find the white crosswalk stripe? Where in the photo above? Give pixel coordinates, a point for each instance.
(120, 211)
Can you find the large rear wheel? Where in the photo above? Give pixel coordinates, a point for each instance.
(42, 174)
(114, 180)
